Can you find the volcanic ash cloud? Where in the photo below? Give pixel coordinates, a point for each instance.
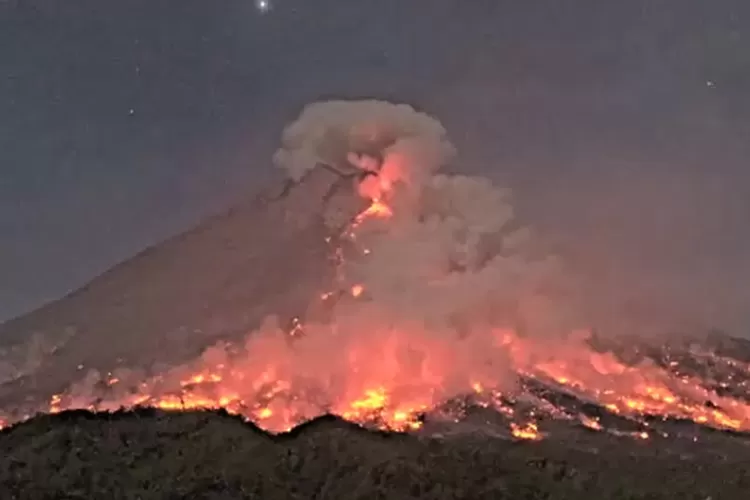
(438, 270)
(336, 132)
(448, 247)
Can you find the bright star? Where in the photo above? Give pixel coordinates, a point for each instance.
(263, 5)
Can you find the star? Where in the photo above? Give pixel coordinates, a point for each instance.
(263, 6)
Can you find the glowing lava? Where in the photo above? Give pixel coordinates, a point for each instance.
(373, 393)
(376, 209)
(528, 431)
(428, 291)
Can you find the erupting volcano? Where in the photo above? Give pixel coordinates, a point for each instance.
(376, 288)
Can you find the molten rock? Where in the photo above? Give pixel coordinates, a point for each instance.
(376, 288)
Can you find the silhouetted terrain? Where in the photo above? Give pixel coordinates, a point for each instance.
(149, 454)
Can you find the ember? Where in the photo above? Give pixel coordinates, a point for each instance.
(528, 431)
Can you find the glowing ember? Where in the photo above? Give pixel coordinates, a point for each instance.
(54, 404)
(373, 400)
(528, 431)
(591, 423)
(265, 413)
(375, 403)
(201, 378)
(377, 209)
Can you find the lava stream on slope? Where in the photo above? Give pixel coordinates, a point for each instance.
(438, 312)
(576, 383)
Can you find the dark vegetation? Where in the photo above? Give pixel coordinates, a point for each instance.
(150, 454)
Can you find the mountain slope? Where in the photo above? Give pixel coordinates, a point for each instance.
(164, 305)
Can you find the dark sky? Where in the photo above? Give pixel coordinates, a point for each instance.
(622, 126)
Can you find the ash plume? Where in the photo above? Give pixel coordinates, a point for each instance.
(451, 248)
(335, 132)
(440, 276)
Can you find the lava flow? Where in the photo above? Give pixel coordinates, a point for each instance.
(378, 387)
(437, 309)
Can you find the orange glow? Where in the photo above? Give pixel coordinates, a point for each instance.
(376, 402)
(621, 389)
(373, 400)
(201, 378)
(528, 431)
(384, 386)
(265, 413)
(54, 404)
(591, 423)
(377, 209)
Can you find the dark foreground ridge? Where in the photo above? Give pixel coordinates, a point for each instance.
(150, 454)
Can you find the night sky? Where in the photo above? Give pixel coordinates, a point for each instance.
(623, 127)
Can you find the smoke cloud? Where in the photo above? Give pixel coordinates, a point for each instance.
(337, 132)
(439, 278)
(451, 248)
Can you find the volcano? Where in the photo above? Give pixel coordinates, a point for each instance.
(166, 304)
(371, 286)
